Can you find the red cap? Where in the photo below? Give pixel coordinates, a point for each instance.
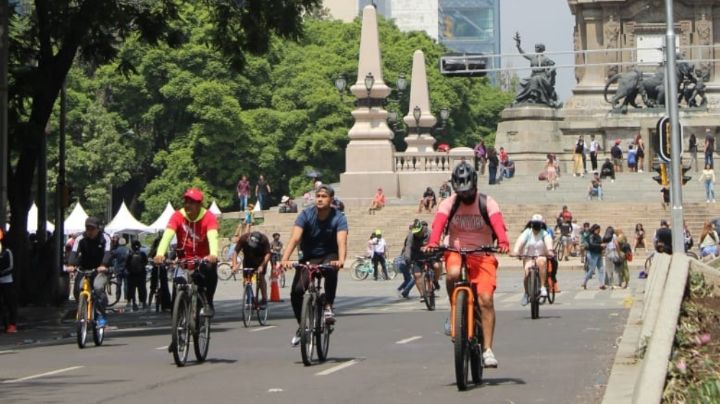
(194, 194)
(617, 141)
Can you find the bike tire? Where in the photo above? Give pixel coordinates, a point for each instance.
(98, 333)
(391, 270)
(461, 344)
(307, 329)
(81, 324)
(534, 294)
(112, 298)
(429, 293)
(648, 263)
(550, 290)
(247, 305)
(476, 362)
(201, 337)
(560, 251)
(181, 328)
(322, 331)
(224, 271)
(282, 279)
(356, 270)
(262, 312)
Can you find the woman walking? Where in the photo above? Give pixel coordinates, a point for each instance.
(551, 170)
(708, 179)
(594, 257)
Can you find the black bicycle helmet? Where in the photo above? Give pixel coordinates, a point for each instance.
(464, 178)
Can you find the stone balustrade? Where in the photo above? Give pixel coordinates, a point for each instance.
(430, 161)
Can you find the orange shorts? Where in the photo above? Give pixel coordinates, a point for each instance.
(482, 270)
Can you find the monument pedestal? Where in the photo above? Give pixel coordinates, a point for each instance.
(528, 133)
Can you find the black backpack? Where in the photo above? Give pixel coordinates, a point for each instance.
(482, 202)
(135, 263)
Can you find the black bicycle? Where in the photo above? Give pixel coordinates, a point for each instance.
(250, 301)
(314, 330)
(190, 313)
(533, 286)
(466, 322)
(427, 286)
(156, 293)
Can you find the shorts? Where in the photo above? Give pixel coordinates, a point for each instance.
(482, 270)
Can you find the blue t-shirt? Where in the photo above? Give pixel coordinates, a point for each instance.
(319, 237)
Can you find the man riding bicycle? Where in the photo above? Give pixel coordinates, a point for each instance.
(92, 250)
(196, 230)
(412, 252)
(534, 241)
(565, 240)
(255, 247)
(467, 227)
(321, 231)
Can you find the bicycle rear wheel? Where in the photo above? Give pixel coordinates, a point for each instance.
(113, 298)
(181, 328)
(282, 279)
(476, 363)
(262, 311)
(322, 331)
(429, 292)
(248, 300)
(391, 270)
(356, 270)
(307, 328)
(224, 271)
(98, 332)
(81, 324)
(550, 290)
(534, 293)
(462, 354)
(201, 338)
(560, 250)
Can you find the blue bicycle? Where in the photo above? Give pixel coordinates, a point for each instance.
(250, 299)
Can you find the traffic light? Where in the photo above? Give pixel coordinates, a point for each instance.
(463, 65)
(662, 177)
(685, 178)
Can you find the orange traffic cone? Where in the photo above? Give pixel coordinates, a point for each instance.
(274, 288)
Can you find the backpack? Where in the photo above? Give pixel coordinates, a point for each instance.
(631, 158)
(135, 263)
(482, 202)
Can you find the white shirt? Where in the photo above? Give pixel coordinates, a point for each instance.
(530, 243)
(593, 146)
(379, 246)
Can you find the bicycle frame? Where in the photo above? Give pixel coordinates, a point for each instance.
(86, 291)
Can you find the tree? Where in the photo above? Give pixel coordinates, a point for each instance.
(47, 40)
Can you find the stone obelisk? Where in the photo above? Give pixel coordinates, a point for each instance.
(369, 156)
(419, 138)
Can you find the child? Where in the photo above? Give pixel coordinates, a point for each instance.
(247, 220)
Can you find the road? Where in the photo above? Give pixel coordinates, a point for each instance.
(384, 350)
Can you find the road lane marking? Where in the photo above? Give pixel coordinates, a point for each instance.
(8, 352)
(336, 368)
(406, 340)
(160, 348)
(263, 328)
(54, 372)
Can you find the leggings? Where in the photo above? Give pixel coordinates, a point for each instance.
(301, 282)
(8, 304)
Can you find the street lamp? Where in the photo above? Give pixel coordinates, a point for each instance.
(369, 82)
(417, 112)
(340, 83)
(393, 120)
(444, 115)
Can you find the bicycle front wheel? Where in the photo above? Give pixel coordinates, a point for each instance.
(282, 279)
(201, 338)
(113, 298)
(356, 270)
(322, 331)
(550, 289)
(81, 326)
(262, 311)
(476, 363)
(224, 271)
(391, 271)
(429, 293)
(462, 354)
(560, 250)
(98, 332)
(248, 300)
(181, 328)
(534, 294)
(307, 328)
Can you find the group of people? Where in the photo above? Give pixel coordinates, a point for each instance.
(261, 191)
(499, 165)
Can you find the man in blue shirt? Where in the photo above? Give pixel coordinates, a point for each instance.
(321, 231)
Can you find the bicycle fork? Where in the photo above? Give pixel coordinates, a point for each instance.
(85, 292)
(470, 311)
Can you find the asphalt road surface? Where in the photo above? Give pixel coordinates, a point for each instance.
(383, 350)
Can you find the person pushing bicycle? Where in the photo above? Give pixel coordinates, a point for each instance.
(534, 241)
(92, 250)
(321, 231)
(472, 220)
(255, 247)
(196, 230)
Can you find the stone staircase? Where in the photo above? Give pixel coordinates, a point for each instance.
(632, 198)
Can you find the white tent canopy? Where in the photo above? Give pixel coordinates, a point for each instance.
(124, 222)
(214, 209)
(161, 223)
(32, 220)
(75, 223)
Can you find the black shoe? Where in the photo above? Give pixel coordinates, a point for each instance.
(171, 348)
(436, 284)
(135, 307)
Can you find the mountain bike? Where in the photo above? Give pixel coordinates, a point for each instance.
(314, 330)
(156, 294)
(250, 302)
(225, 271)
(533, 286)
(189, 316)
(427, 286)
(362, 267)
(559, 247)
(87, 311)
(466, 322)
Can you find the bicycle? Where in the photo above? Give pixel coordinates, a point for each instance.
(86, 311)
(428, 284)
(250, 301)
(533, 286)
(225, 271)
(156, 293)
(188, 313)
(466, 322)
(560, 245)
(109, 286)
(362, 267)
(314, 330)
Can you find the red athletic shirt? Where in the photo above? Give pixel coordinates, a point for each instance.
(192, 237)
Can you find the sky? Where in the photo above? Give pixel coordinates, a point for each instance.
(546, 21)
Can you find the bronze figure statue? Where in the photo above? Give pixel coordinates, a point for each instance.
(539, 88)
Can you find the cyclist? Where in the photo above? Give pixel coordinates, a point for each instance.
(255, 248)
(534, 241)
(417, 237)
(321, 231)
(92, 250)
(196, 231)
(566, 229)
(471, 225)
(276, 247)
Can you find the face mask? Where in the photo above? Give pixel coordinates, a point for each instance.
(536, 226)
(467, 197)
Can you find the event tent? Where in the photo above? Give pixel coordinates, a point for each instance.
(32, 220)
(161, 222)
(214, 209)
(124, 222)
(75, 223)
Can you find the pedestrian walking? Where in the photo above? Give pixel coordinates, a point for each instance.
(708, 179)
(692, 148)
(594, 257)
(243, 192)
(135, 266)
(709, 148)
(577, 157)
(262, 192)
(8, 295)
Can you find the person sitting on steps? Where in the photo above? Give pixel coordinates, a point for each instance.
(595, 187)
(378, 202)
(428, 201)
(607, 170)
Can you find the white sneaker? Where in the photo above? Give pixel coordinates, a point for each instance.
(489, 359)
(295, 340)
(707, 200)
(329, 316)
(525, 300)
(447, 327)
(640, 171)
(543, 292)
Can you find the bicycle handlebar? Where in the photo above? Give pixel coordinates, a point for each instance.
(482, 248)
(320, 267)
(523, 256)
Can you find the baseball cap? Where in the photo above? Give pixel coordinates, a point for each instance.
(327, 188)
(92, 221)
(194, 194)
(378, 232)
(617, 141)
(418, 226)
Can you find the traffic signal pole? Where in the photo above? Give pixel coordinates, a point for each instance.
(678, 244)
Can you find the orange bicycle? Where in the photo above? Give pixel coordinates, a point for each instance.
(466, 322)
